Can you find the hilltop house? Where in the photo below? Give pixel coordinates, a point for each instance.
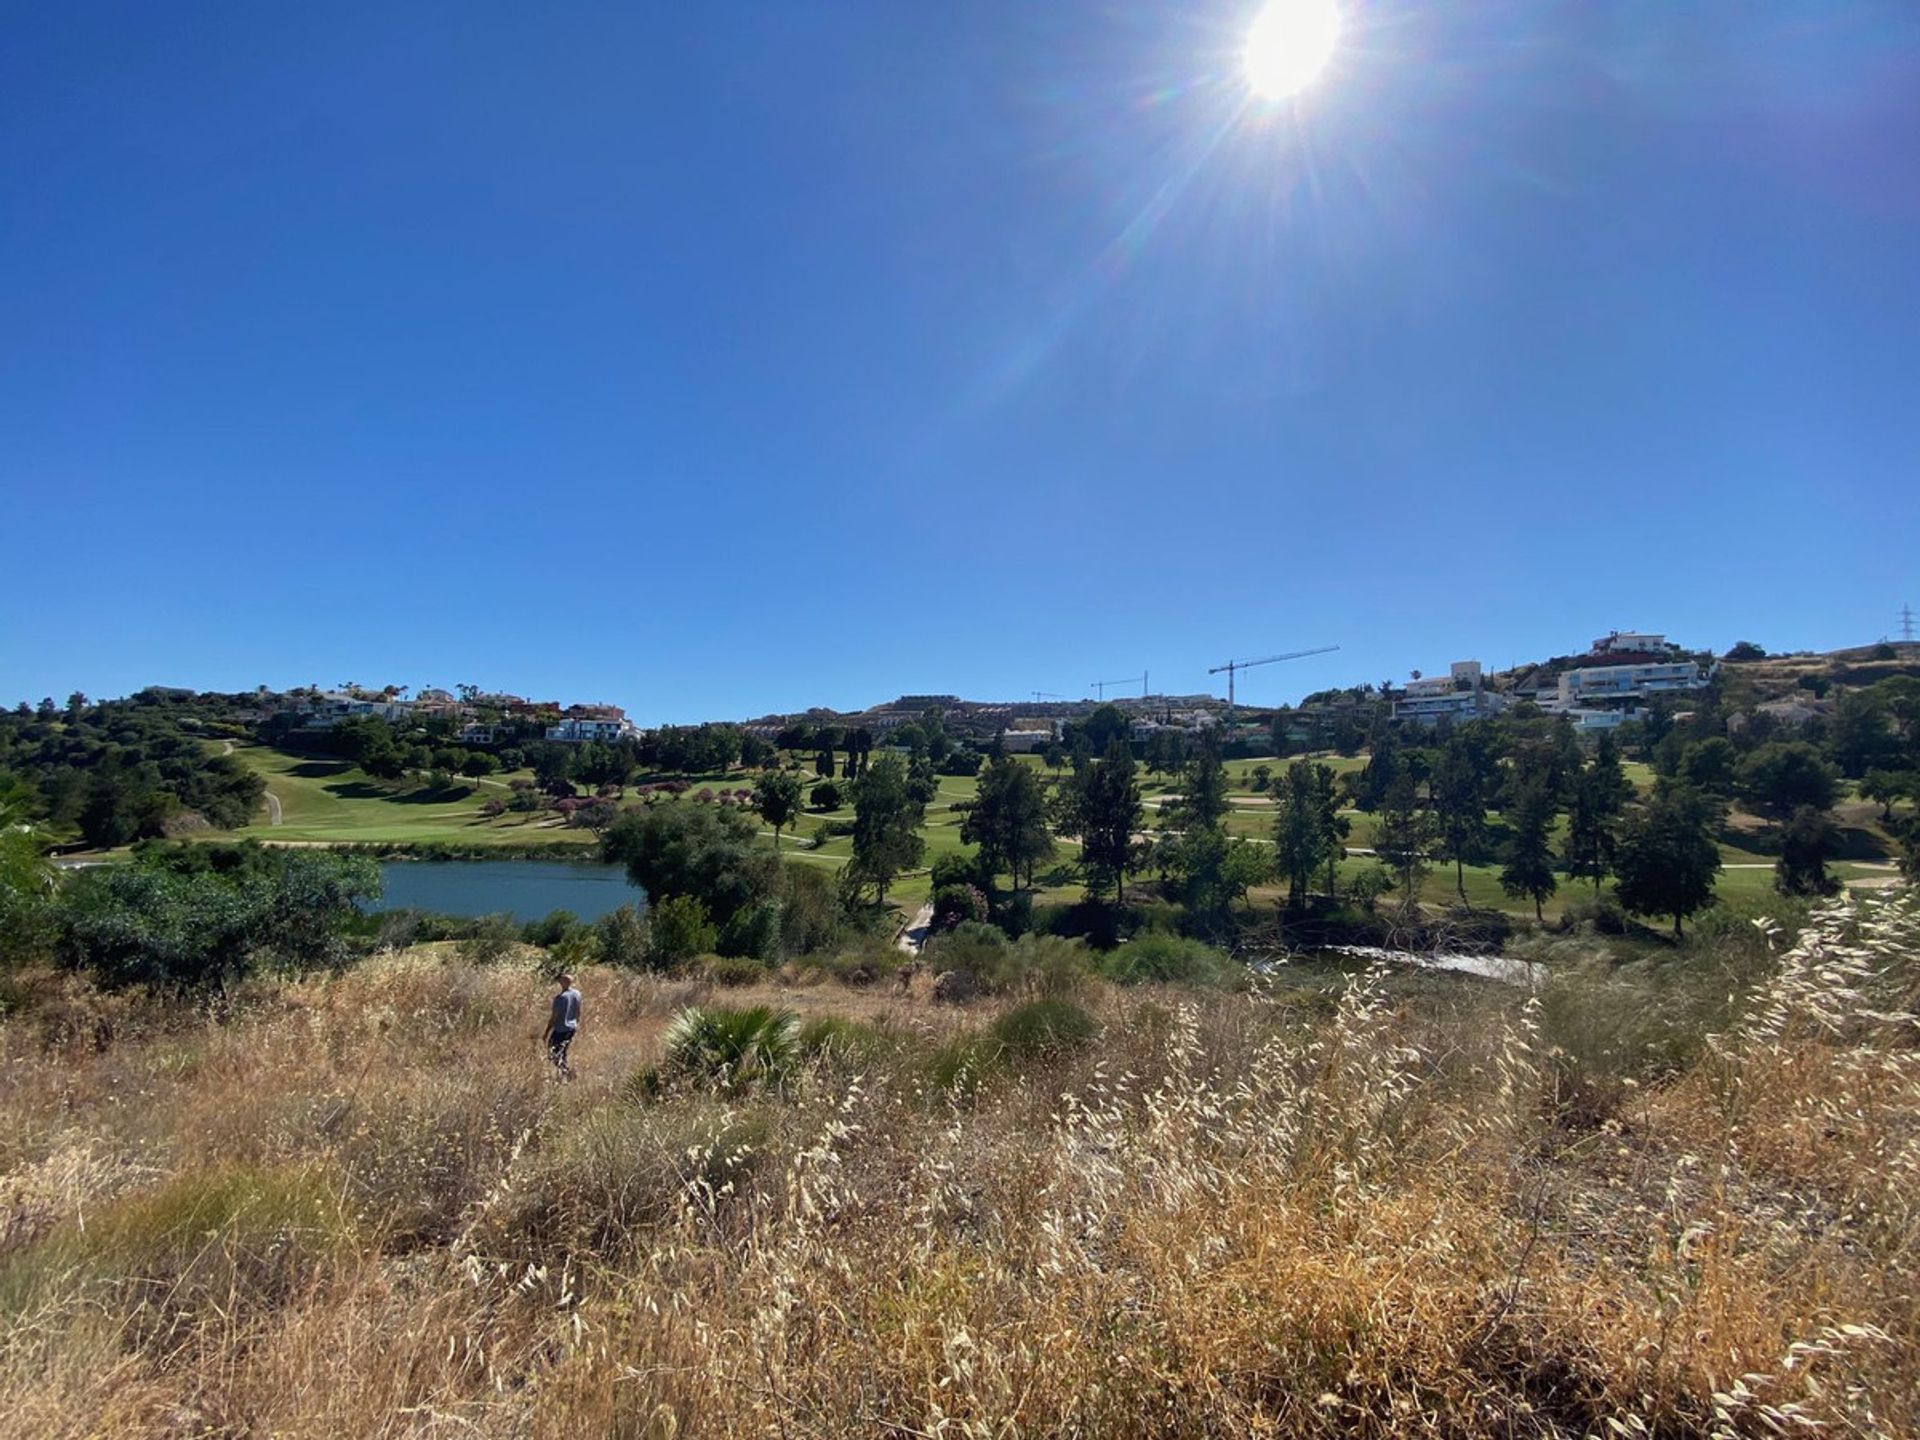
(1460, 694)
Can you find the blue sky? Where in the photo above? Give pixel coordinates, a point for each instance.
(721, 359)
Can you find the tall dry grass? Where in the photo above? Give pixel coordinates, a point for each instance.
(1390, 1205)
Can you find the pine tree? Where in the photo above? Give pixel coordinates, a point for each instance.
(1529, 867)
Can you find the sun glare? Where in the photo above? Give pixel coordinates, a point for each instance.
(1289, 45)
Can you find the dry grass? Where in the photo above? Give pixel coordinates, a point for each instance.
(1405, 1207)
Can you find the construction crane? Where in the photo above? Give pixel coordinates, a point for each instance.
(1233, 667)
(1100, 686)
(1039, 695)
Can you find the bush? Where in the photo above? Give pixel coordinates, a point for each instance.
(957, 867)
(810, 917)
(730, 972)
(955, 904)
(489, 940)
(214, 1245)
(1043, 1030)
(1600, 913)
(752, 933)
(825, 796)
(678, 930)
(621, 937)
(1013, 913)
(730, 1049)
(552, 929)
(837, 1038)
(193, 920)
(1034, 964)
(1163, 959)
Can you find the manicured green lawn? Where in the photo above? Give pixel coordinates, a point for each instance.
(334, 802)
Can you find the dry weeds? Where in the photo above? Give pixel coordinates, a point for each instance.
(1432, 1207)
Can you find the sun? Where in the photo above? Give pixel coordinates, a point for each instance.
(1289, 44)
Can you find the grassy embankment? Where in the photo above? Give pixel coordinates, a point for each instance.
(1383, 1205)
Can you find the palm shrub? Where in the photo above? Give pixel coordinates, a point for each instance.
(729, 1048)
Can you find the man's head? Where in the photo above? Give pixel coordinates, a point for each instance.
(566, 982)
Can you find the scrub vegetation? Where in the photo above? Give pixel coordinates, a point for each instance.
(1670, 1191)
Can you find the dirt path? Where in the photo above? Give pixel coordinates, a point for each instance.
(915, 935)
(273, 808)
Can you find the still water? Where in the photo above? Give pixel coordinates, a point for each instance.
(524, 889)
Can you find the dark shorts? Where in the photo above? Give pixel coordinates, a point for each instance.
(557, 1044)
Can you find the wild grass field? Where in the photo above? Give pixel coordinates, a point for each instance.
(1672, 1197)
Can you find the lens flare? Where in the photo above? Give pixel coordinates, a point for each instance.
(1288, 46)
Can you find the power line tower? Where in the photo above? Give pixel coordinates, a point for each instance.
(1906, 624)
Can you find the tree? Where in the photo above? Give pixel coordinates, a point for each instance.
(824, 796)
(1103, 809)
(886, 837)
(1600, 793)
(1384, 768)
(1404, 835)
(1887, 786)
(1100, 729)
(1745, 650)
(682, 847)
(1668, 860)
(621, 938)
(1784, 775)
(26, 885)
(776, 795)
(1202, 802)
(1529, 867)
(1860, 735)
(1008, 820)
(1710, 765)
(678, 929)
(1305, 826)
(1807, 841)
(1458, 788)
(202, 920)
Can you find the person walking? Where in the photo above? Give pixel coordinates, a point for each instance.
(562, 1025)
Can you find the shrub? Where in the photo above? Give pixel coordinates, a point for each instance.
(678, 930)
(731, 971)
(621, 937)
(957, 867)
(1036, 964)
(1163, 959)
(838, 1038)
(810, 917)
(489, 940)
(752, 932)
(202, 1246)
(551, 929)
(825, 796)
(954, 904)
(1043, 1029)
(730, 1049)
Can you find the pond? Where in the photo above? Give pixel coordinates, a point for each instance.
(524, 889)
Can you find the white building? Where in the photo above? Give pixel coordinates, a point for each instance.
(1580, 688)
(581, 731)
(1025, 742)
(334, 706)
(1587, 720)
(1457, 695)
(1631, 642)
